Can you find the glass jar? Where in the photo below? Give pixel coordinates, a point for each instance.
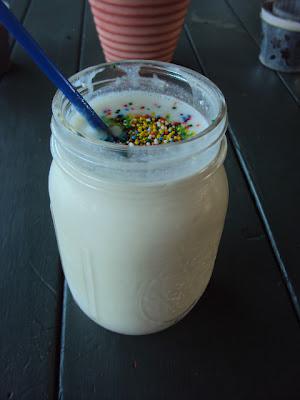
(138, 228)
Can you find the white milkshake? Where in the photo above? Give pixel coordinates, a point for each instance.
(139, 102)
(138, 235)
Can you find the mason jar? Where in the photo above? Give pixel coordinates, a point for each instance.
(138, 227)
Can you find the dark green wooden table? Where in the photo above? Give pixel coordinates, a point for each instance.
(242, 340)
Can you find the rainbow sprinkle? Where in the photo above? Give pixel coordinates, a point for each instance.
(150, 129)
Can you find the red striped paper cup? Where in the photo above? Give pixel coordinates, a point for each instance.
(139, 29)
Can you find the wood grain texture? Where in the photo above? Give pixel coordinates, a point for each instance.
(30, 279)
(240, 341)
(248, 13)
(263, 116)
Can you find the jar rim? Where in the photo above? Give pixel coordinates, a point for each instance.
(59, 98)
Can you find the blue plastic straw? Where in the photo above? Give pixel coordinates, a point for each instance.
(40, 58)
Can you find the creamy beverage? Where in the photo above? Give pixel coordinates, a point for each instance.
(142, 104)
(138, 224)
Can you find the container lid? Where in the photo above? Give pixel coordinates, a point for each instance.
(267, 14)
(288, 9)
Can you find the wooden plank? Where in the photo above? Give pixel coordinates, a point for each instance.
(235, 342)
(248, 13)
(7, 42)
(20, 9)
(30, 279)
(264, 119)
